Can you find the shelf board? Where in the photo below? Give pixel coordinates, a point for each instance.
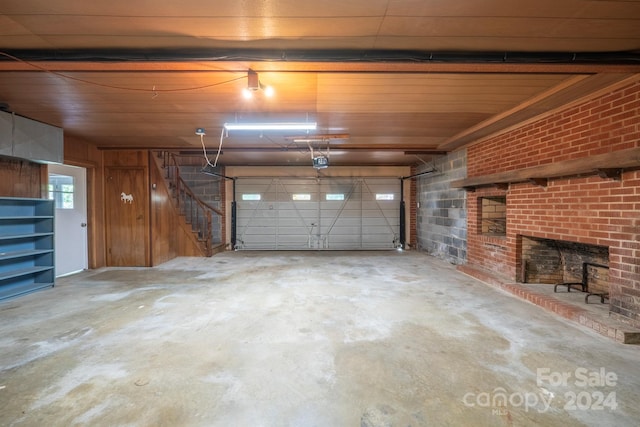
(22, 254)
(607, 165)
(23, 236)
(16, 290)
(24, 272)
(25, 217)
(23, 200)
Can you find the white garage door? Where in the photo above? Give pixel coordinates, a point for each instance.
(323, 213)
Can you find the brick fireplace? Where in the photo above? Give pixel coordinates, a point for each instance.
(592, 213)
(559, 261)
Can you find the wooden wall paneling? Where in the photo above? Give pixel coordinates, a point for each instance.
(22, 178)
(185, 241)
(96, 231)
(170, 235)
(163, 247)
(124, 158)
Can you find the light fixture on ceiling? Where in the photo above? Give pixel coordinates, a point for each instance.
(272, 126)
(254, 85)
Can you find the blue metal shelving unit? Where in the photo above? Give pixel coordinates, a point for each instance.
(26, 245)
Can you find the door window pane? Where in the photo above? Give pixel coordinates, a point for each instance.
(61, 189)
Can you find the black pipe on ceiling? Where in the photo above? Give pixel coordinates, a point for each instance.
(356, 56)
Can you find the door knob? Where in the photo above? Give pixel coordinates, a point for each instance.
(84, 224)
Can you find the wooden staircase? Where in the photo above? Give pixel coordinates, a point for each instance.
(195, 212)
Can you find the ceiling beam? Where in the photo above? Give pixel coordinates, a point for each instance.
(275, 66)
(292, 148)
(327, 59)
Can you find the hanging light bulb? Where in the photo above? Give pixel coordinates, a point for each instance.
(254, 85)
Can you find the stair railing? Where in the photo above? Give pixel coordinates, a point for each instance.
(197, 212)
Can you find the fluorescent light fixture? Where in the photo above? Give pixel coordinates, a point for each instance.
(271, 126)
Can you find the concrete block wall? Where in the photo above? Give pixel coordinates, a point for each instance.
(582, 209)
(442, 212)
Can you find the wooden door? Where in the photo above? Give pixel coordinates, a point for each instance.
(126, 217)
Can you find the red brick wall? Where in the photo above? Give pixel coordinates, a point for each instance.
(586, 209)
(603, 125)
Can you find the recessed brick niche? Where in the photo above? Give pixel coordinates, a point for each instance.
(559, 261)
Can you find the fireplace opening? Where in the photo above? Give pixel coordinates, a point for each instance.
(559, 261)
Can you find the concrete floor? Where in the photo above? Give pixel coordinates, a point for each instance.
(303, 339)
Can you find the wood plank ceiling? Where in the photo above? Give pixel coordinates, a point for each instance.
(400, 80)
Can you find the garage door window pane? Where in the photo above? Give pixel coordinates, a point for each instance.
(250, 197)
(384, 196)
(335, 197)
(302, 197)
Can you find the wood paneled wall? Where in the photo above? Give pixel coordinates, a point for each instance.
(22, 178)
(148, 234)
(170, 235)
(146, 230)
